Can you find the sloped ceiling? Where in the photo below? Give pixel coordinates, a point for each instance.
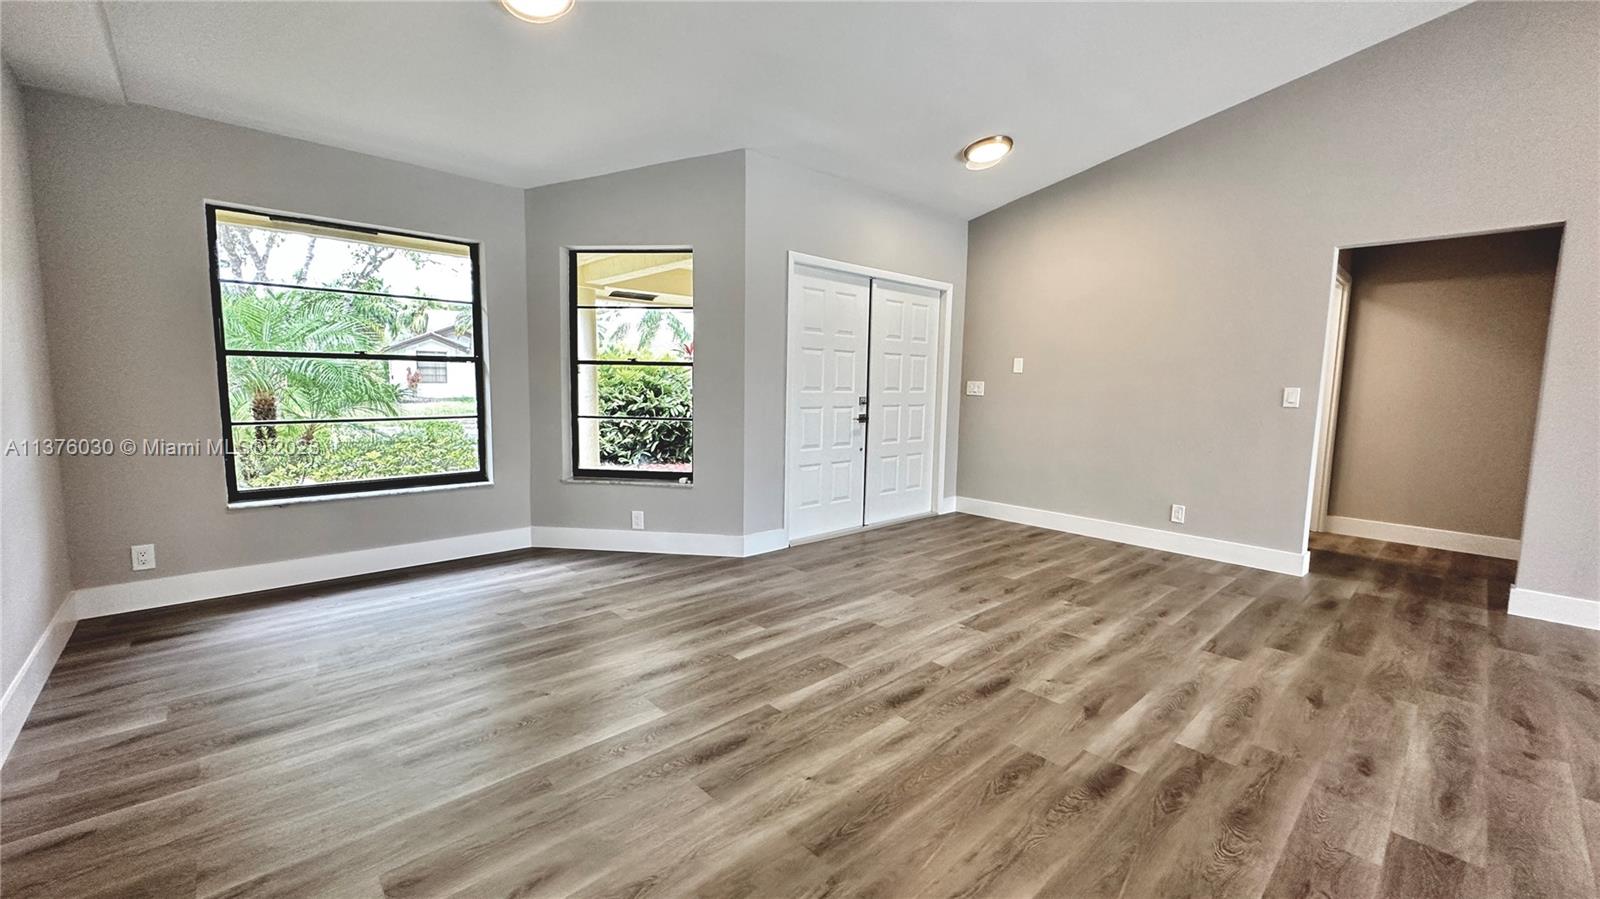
(884, 94)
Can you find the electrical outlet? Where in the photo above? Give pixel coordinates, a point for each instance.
(1016, 366)
(144, 556)
(974, 388)
(1178, 513)
(1291, 397)
(638, 520)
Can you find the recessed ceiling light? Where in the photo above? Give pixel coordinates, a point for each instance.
(537, 11)
(981, 154)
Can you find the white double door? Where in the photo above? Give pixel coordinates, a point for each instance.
(863, 398)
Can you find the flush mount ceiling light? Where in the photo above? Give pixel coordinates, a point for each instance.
(537, 11)
(981, 154)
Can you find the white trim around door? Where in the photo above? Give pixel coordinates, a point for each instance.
(1555, 607)
(1328, 395)
(941, 501)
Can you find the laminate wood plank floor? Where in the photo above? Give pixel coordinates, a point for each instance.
(950, 707)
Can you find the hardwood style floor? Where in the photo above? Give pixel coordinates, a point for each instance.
(954, 707)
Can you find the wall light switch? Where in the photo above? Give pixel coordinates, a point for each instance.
(144, 556)
(1291, 397)
(974, 388)
(638, 520)
(1016, 366)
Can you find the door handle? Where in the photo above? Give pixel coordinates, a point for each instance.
(861, 417)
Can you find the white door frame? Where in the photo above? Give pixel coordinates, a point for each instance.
(1328, 398)
(942, 420)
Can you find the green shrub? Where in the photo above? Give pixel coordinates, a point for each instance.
(660, 391)
(354, 452)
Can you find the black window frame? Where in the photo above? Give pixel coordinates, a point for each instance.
(573, 416)
(236, 495)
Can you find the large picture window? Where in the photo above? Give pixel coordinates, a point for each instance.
(348, 359)
(633, 364)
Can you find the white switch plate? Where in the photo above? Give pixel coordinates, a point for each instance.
(1016, 366)
(1291, 397)
(638, 520)
(974, 388)
(144, 556)
(1178, 513)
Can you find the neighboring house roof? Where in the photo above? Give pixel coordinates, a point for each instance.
(445, 335)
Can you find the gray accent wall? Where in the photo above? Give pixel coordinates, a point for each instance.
(696, 203)
(1165, 298)
(121, 224)
(119, 193)
(742, 212)
(792, 208)
(34, 575)
(1443, 355)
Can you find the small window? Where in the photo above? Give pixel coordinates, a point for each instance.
(432, 372)
(347, 358)
(633, 364)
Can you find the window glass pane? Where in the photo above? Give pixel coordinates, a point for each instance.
(325, 256)
(264, 388)
(635, 417)
(288, 287)
(633, 307)
(638, 334)
(268, 456)
(636, 445)
(663, 279)
(264, 318)
(621, 299)
(638, 391)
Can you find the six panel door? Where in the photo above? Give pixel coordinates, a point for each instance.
(903, 348)
(827, 396)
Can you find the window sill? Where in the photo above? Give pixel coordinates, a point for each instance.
(626, 482)
(366, 494)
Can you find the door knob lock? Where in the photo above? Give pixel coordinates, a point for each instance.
(861, 417)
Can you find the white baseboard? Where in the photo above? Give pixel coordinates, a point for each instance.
(765, 542)
(112, 599)
(152, 593)
(1555, 607)
(676, 543)
(947, 504)
(619, 541)
(1433, 538)
(1278, 560)
(29, 680)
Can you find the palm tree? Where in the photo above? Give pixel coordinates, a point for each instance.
(650, 323)
(268, 388)
(615, 341)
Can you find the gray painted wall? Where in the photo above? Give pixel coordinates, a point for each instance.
(1166, 297)
(742, 212)
(699, 203)
(34, 576)
(1443, 355)
(118, 199)
(791, 208)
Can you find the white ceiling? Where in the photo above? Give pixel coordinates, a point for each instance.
(884, 94)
